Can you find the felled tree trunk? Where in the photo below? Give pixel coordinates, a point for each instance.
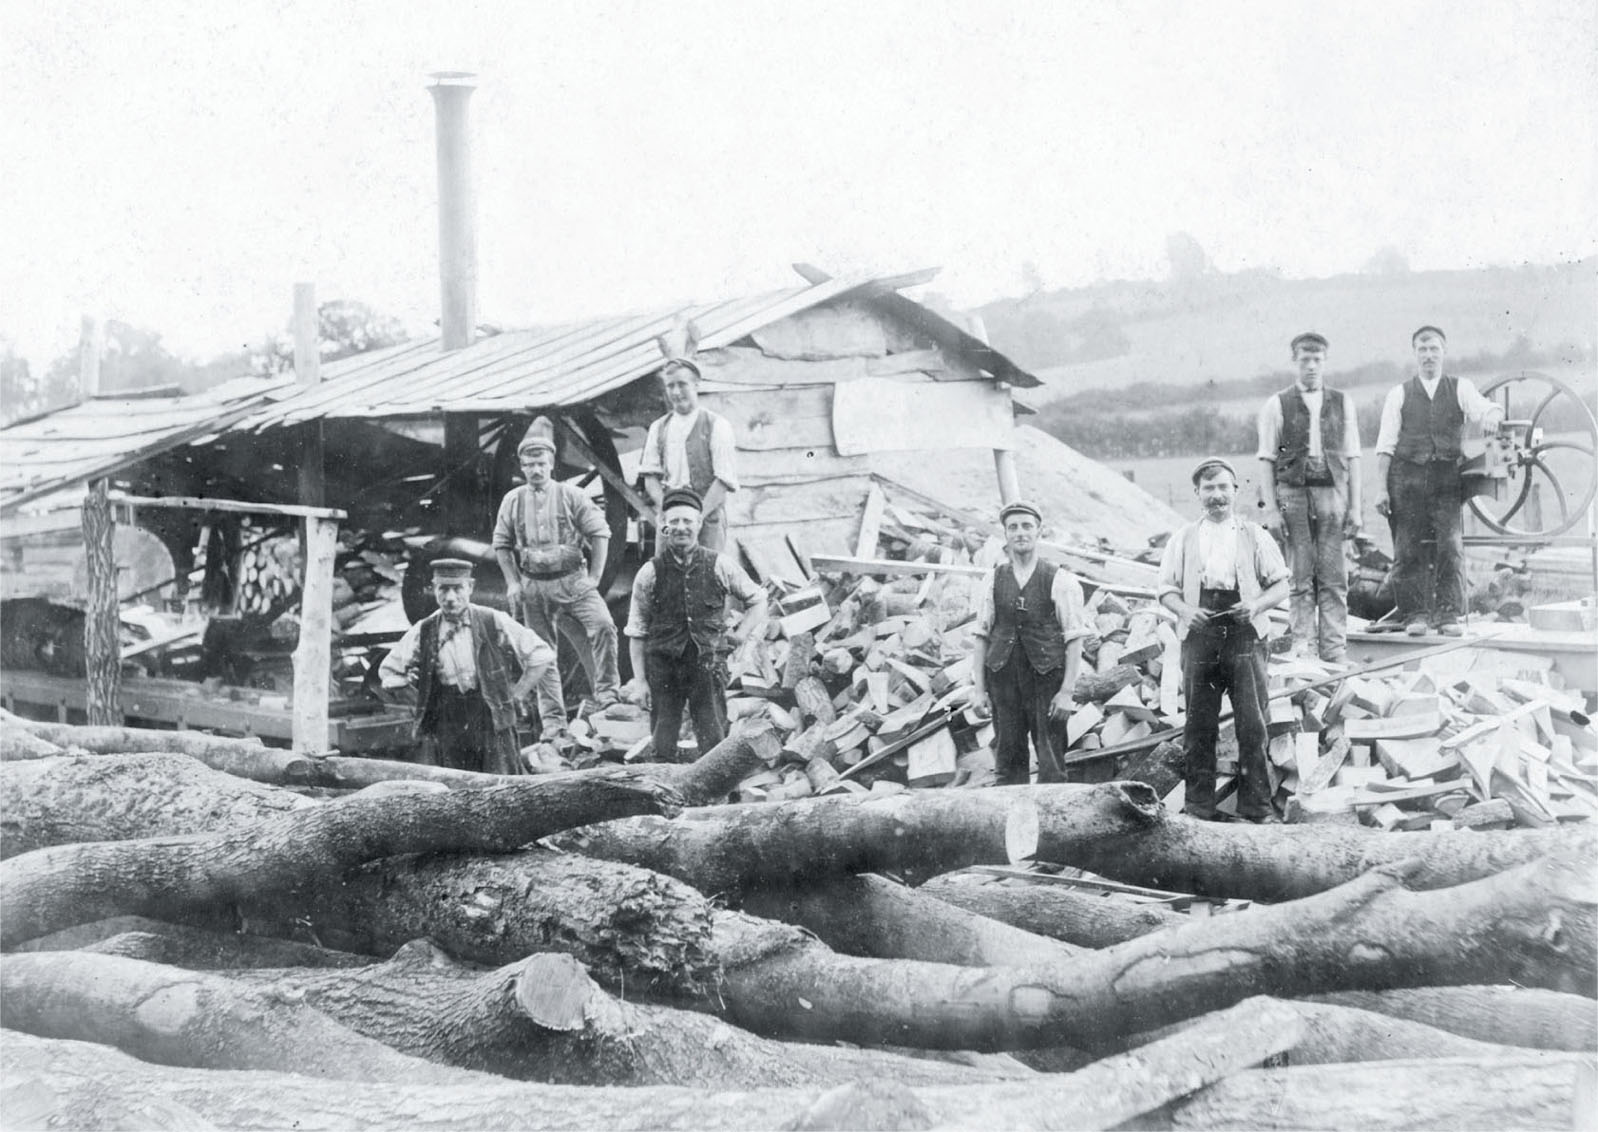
(196, 949)
(731, 849)
(174, 1017)
(544, 1019)
(872, 916)
(1053, 910)
(112, 798)
(1517, 1016)
(307, 849)
(1270, 863)
(17, 744)
(636, 931)
(246, 758)
(1533, 1091)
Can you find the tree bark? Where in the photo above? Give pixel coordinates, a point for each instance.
(1534, 1091)
(1053, 910)
(18, 743)
(1161, 768)
(113, 798)
(636, 931)
(875, 917)
(725, 850)
(304, 850)
(1100, 686)
(174, 1017)
(1269, 863)
(247, 758)
(544, 1019)
(192, 948)
(1518, 1016)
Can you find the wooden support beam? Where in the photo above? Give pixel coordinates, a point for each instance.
(313, 656)
(890, 567)
(232, 506)
(102, 639)
(461, 453)
(870, 524)
(641, 506)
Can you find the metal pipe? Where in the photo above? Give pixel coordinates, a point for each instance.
(457, 208)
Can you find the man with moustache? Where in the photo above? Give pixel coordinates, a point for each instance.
(676, 630)
(691, 447)
(460, 659)
(1221, 576)
(551, 542)
(1419, 452)
(1028, 651)
(1309, 444)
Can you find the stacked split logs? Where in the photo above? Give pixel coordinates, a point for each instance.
(189, 946)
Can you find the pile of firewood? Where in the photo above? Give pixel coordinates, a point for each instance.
(209, 932)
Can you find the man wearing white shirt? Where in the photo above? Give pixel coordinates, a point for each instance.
(1309, 444)
(1029, 633)
(1419, 452)
(1221, 576)
(691, 447)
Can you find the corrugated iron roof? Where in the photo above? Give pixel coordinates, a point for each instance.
(519, 370)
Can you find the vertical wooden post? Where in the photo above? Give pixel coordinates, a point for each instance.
(313, 656)
(312, 472)
(90, 344)
(460, 498)
(1003, 458)
(102, 640)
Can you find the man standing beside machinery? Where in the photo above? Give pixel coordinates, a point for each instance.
(1419, 453)
(691, 447)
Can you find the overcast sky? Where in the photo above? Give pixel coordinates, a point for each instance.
(181, 165)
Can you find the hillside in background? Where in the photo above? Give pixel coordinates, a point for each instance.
(1224, 327)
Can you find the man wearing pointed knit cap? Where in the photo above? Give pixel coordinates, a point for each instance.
(551, 542)
(677, 629)
(471, 666)
(1029, 633)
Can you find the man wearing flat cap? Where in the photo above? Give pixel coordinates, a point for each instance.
(691, 447)
(1309, 445)
(677, 628)
(1029, 632)
(460, 659)
(1419, 453)
(1221, 576)
(551, 542)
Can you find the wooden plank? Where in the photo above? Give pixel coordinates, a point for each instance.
(887, 416)
(234, 506)
(818, 501)
(641, 506)
(1393, 727)
(870, 524)
(841, 328)
(781, 465)
(883, 567)
(932, 759)
(749, 366)
(313, 655)
(788, 418)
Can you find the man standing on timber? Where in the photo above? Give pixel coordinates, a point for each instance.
(1419, 453)
(1309, 444)
(539, 539)
(1221, 576)
(693, 448)
(676, 631)
(1029, 632)
(459, 659)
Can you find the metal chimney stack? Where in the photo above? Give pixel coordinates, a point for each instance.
(457, 208)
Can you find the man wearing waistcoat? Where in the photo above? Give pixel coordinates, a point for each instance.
(1419, 454)
(677, 627)
(1029, 632)
(1309, 444)
(539, 540)
(460, 659)
(691, 447)
(1221, 576)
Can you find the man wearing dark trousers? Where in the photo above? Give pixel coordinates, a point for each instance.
(677, 628)
(1221, 576)
(1028, 651)
(1419, 451)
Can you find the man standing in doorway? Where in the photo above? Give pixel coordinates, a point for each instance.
(1309, 444)
(677, 631)
(691, 447)
(539, 539)
(1029, 632)
(459, 660)
(1419, 452)
(1221, 576)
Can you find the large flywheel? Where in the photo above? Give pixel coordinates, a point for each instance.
(1552, 473)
